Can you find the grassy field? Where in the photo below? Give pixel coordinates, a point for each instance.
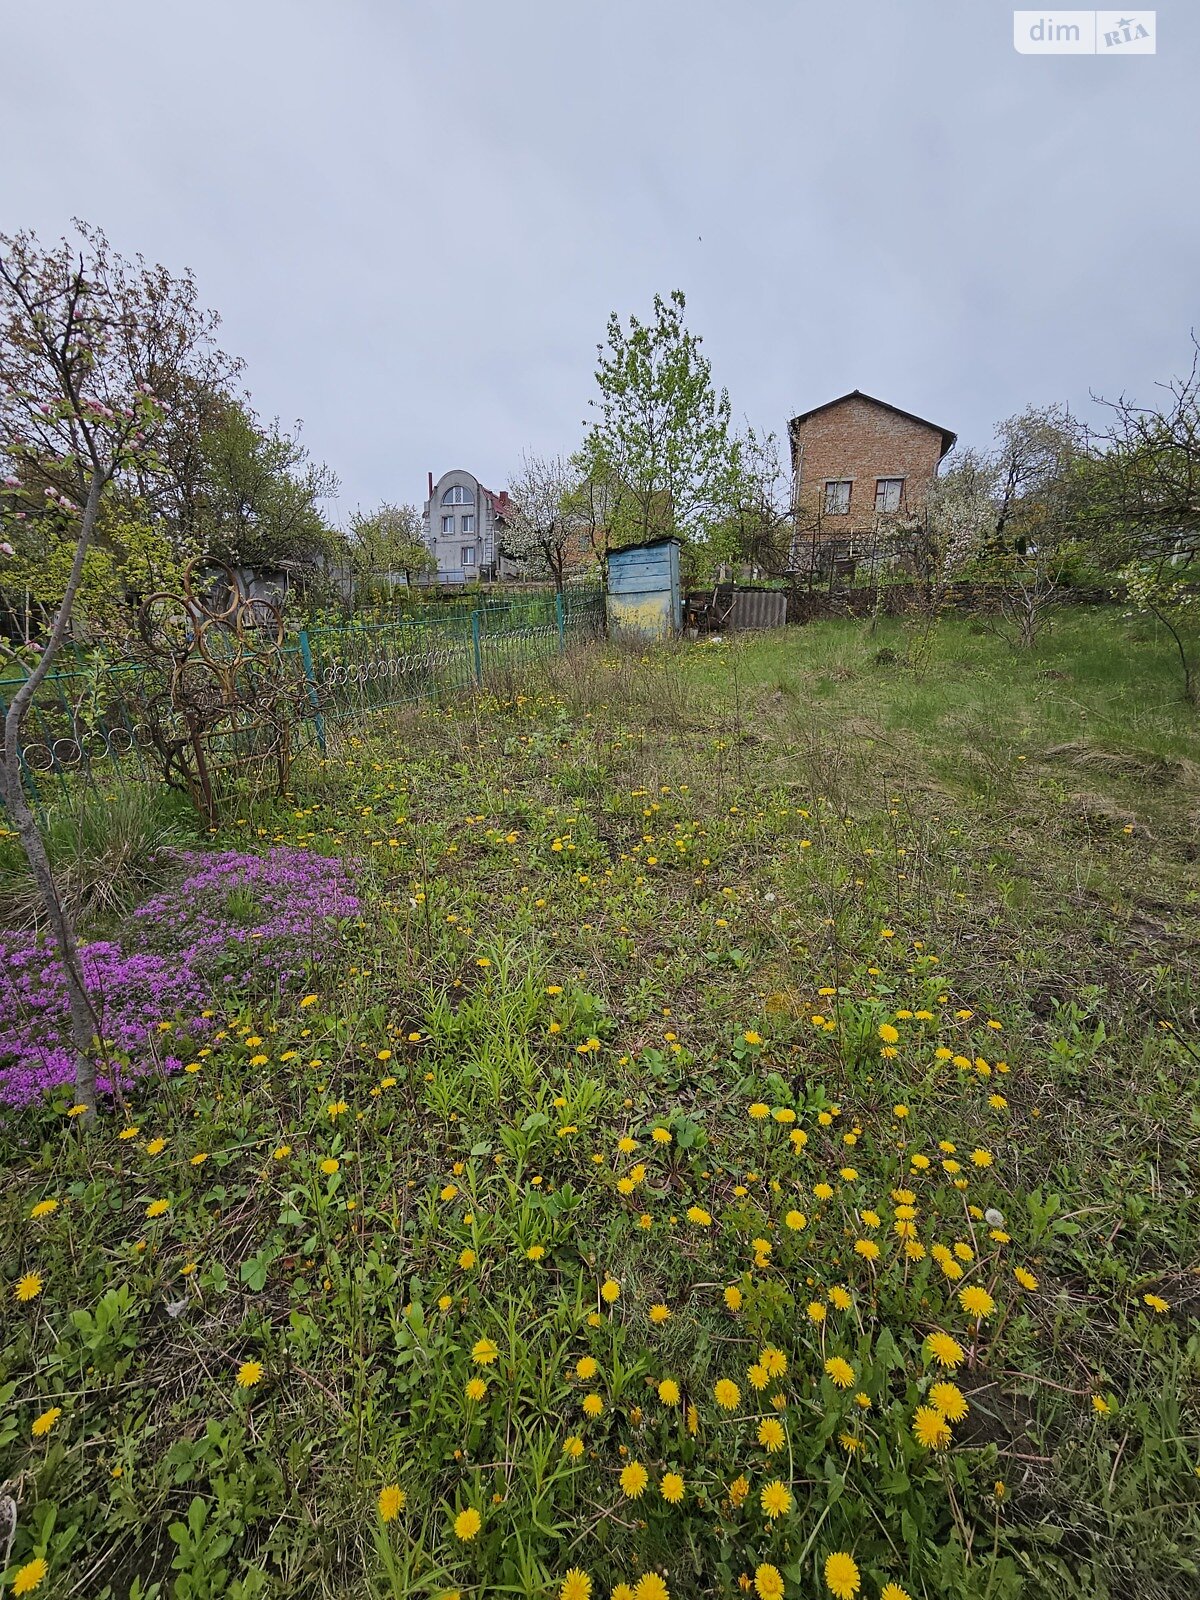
(745, 1139)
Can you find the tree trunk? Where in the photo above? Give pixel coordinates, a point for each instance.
(84, 1022)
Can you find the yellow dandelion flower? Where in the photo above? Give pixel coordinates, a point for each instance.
(467, 1524)
(1025, 1278)
(634, 1479)
(651, 1587)
(576, 1585)
(840, 1371)
(392, 1500)
(771, 1435)
(775, 1499)
(593, 1405)
(773, 1361)
(976, 1301)
(948, 1398)
(42, 1424)
(768, 1582)
(668, 1392)
(727, 1394)
(930, 1428)
(672, 1488)
(29, 1576)
(476, 1389)
(29, 1287)
(947, 1352)
(659, 1313)
(44, 1208)
(248, 1374)
(484, 1352)
(573, 1446)
(610, 1291)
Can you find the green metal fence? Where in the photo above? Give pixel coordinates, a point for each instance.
(86, 718)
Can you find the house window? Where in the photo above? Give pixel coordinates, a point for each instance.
(888, 493)
(447, 524)
(458, 495)
(468, 557)
(468, 522)
(837, 497)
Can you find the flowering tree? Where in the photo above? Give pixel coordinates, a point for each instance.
(544, 518)
(88, 344)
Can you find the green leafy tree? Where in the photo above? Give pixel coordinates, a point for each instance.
(388, 542)
(660, 452)
(759, 527)
(131, 555)
(255, 498)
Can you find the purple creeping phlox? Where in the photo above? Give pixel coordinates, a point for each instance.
(231, 917)
(273, 910)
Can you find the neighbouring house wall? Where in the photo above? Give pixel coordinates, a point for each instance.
(862, 442)
(448, 548)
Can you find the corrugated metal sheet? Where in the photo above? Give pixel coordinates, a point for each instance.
(759, 608)
(739, 608)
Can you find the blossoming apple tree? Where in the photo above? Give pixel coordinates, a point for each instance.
(91, 346)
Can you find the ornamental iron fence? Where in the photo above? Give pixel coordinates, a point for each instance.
(100, 718)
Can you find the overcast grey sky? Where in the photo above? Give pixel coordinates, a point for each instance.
(415, 215)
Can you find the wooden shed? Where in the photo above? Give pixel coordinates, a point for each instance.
(645, 594)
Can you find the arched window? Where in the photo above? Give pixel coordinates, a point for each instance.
(458, 495)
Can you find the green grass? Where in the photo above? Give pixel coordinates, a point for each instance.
(613, 899)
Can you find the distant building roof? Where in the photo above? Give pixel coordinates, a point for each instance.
(948, 438)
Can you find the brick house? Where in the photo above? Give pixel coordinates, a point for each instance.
(858, 463)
